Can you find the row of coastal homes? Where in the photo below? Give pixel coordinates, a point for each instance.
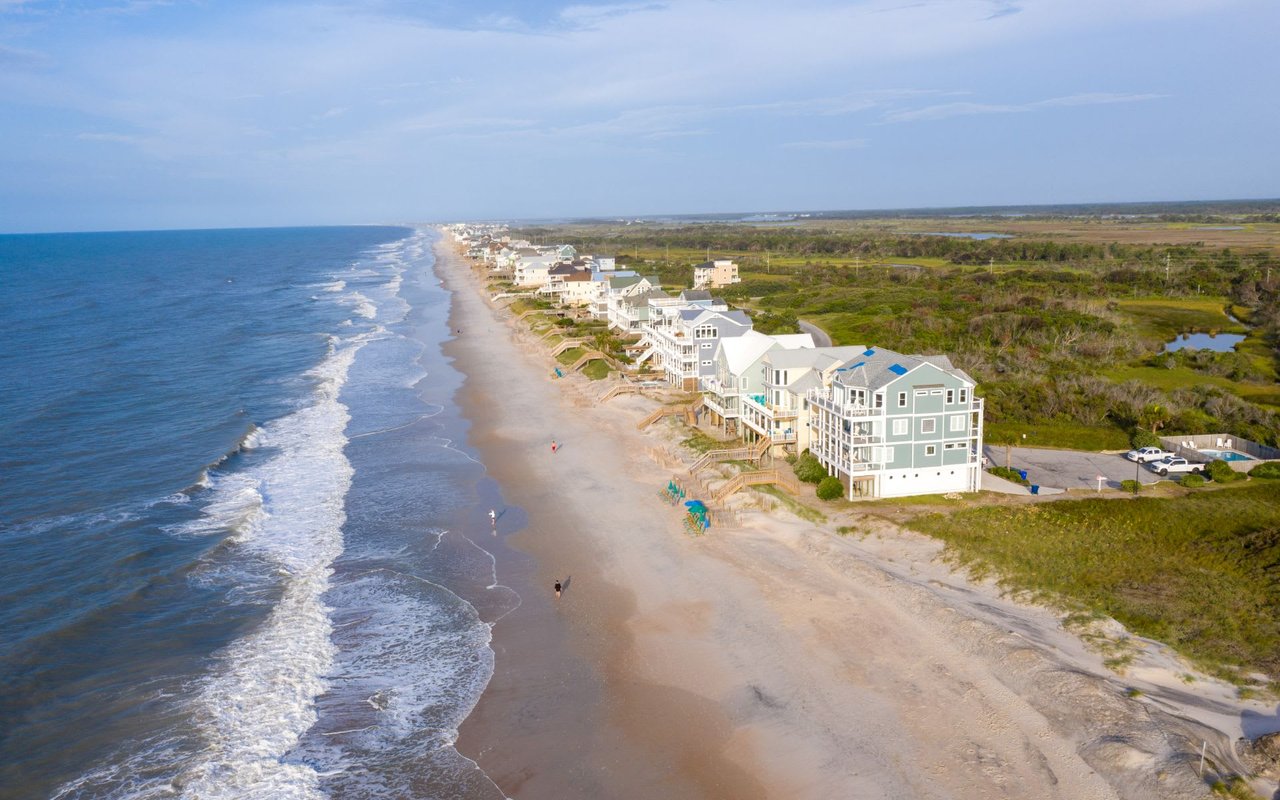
(885, 423)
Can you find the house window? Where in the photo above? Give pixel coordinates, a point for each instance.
(706, 345)
(931, 450)
(928, 425)
(902, 399)
(879, 399)
(957, 422)
(706, 363)
(964, 395)
(900, 427)
(888, 455)
(935, 392)
(951, 395)
(922, 392)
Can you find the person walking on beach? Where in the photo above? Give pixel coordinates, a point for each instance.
(554, 446)
(559, 588)
(493, 518)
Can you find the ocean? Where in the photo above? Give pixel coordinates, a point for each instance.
(243, 534)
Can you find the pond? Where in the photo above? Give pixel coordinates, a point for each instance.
(1222, 343)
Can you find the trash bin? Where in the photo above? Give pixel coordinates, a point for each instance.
(1035, 488)
(1023, 474)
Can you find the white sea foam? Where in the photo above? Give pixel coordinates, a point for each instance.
(362, 305)
(261, 698)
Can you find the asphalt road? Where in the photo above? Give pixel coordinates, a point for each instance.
(820, 337)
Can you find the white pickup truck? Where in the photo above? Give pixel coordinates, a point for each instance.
(1175, 465)
(1144, 455)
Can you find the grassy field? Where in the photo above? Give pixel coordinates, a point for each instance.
(596, 369)
(1167, 317)
(1184, 378)
(1198, 571)
(1056, 434)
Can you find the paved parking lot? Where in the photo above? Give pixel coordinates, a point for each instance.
(1070, 469)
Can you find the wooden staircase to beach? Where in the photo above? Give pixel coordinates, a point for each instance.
(587, 357)
(689, 410)
(757, 478)
(754, 453)
(619, 390)
(565, 345)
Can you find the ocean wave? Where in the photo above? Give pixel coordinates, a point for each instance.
(261, 697)
(284, 514)
(362, 305)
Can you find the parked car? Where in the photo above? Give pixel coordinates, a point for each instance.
(1145, 455)
(1175, 465)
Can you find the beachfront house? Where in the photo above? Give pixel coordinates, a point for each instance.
(715, 274)
(891, 425)
(737, 372)
(568, 284)
(779, 410)
(532, 268)
(683, 343)
(621, 310)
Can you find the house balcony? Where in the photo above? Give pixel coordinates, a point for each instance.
(724, 405)
(767, 410)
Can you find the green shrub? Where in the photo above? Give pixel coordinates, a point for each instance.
(809, 469)
(1009, 474)
(1267, 469)
(1144, 438)
(1131, 486)
(1221, 471)
(1192, 481)
(829, 488)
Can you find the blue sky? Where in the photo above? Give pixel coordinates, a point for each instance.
(132, 114)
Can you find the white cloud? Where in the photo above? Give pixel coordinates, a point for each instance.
(947, 110)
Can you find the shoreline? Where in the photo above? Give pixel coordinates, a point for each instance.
(771, 660)
(564, 715)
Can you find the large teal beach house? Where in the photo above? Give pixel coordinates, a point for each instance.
(890, 425)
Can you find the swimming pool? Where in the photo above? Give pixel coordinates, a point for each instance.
(1227, 455)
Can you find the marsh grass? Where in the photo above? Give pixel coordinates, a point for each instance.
(1197, 571)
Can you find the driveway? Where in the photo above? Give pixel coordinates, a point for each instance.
(820, 337)
(1070, 469)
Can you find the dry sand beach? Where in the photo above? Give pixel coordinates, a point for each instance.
(775, 658)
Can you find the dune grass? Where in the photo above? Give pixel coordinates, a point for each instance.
(596, 369)
(1056, 434)
(1197, 571)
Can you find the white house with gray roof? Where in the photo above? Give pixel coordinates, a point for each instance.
(779, 409)
(891, 425)
(738, 361)
(683, 343)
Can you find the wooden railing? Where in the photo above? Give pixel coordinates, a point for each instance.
(565, 345)
(758, 478)
(752, 453)
(689, 410)
(590, 355)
